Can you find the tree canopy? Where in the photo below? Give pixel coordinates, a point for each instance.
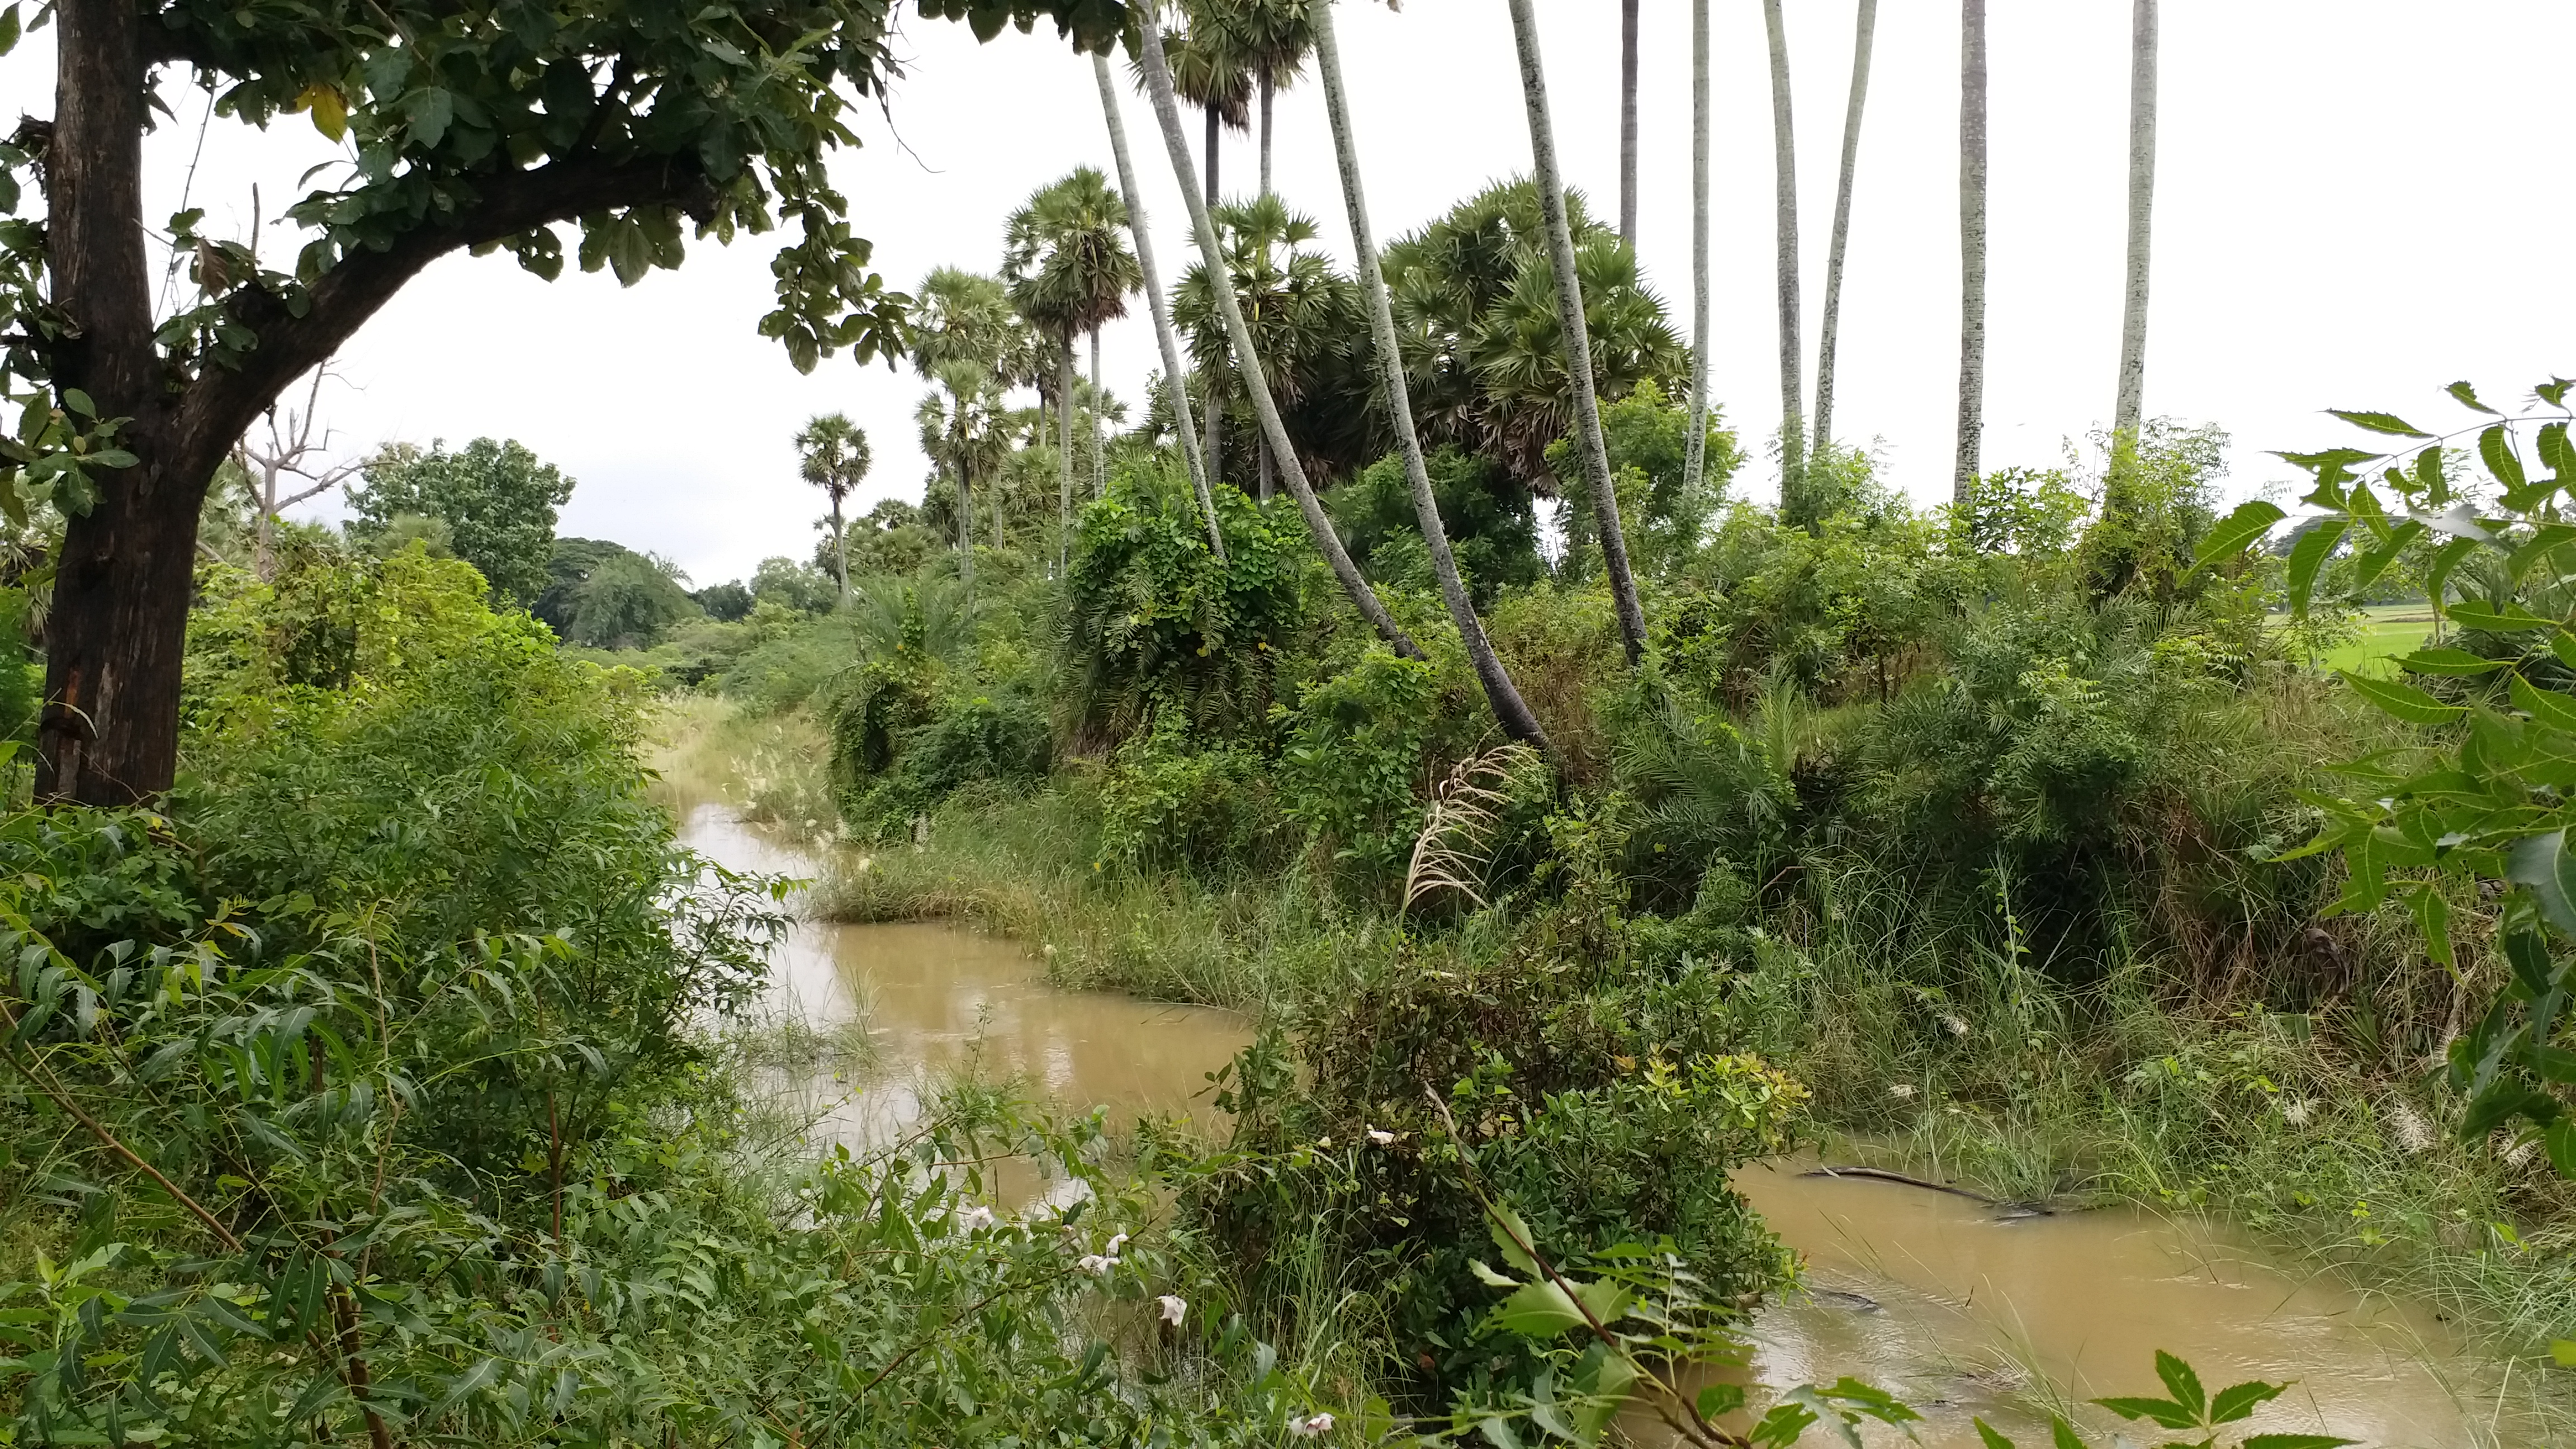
(496, 499)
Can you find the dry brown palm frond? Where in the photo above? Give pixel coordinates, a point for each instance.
(1454, 847)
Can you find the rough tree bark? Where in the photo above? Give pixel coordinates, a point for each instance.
(1578, 341)
(1628, 123)
(1510, 710)
(1863, 28)
(1175, 379)
(109, 731)
(1247, 361)
(1099, 464)
(2125, 415)
(1064, 453)
(1695, 451)
(1972, 252)
(1784, 170)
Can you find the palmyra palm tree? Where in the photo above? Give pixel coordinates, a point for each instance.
(1208, 69)
(832, 454)
(1068, 270)
(1176, 391)
(971, 346)
(1274, 38)
(2125, 415)
(1576, 340)
(1972, 252)
(1299, 309)
(1501, 695)
(1628, 122)
(1695, 454)
(1864, 25)
(1247, 359)
(1784, 175)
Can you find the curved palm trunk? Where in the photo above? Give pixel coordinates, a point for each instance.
(1972, 252)
(2142, 194)
(1578, 341)
(1784, 167)
(1158, 84)
(1832, 331)
(1695, 455)
(1628, 123)
(1510, 710)
(1175, 381)
(1064, 453)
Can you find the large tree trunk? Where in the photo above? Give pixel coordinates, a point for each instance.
(1695, 450)
(1972, 253)
(966, 503)
(1176, 387)
(1215, 123)
(2125, 416)
(1265, 471)
(1866, 23)
(1578, 341)
(1628, 123)
(1510, 711)
(1247, 361)
(1784, 170)
(1064, 452)
(116, 634)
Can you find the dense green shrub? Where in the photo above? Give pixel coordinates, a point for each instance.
(1492, 528)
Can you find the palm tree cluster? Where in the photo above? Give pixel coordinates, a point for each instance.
(1500, 329)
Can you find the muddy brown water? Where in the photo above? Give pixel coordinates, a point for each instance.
(1936, 1297)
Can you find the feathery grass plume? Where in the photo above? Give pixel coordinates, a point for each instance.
(1457, 833)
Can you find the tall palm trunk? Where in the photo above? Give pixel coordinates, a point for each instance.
(1256, 386)
(1578, 341)
(1215, 124)
(1510, 710)
(1784, 170)
(1695, 455)
(1099, 464)
(966, 520)
(1863, 27)
(1972, 252)
(1064, 451)
(841, 547)
(2142, 195)
(1628, 123)
(1176, 386)
(1267, 93)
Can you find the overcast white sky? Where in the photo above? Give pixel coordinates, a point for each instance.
(2357, 201)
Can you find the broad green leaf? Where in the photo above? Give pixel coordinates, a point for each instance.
(2437, 574)
(1717, 1400)
(1987, 1436)
(2239, 1401)
(1509, 1233)
(1488, 1276)
(2162, 1411)
(2495, 447)
(2555, 453)
(1537, 1310)
(2469, 396)
(2433, 917)
(2310, 554)
(2556, 711)
(2332, 468)
(2554, 391)
(2367, 568)
(2380, 423)
(2062, 1435)
(2560, 1138)
(2446, 660)
(2237, 531)
(429, 110)
(1608, 1301)
(2542, 863)
(2182, 1383)
(2493, 620)
(9, 30)
(2404, 701)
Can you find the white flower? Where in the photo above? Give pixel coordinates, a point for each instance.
(1115, 1244)
(1172, 1308)
(1902, 1091)
(2413, 1133)
(1312, 1426)
(1380, 1136)
(1096, 1264)
(975, 1219)
(2297, 1111)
